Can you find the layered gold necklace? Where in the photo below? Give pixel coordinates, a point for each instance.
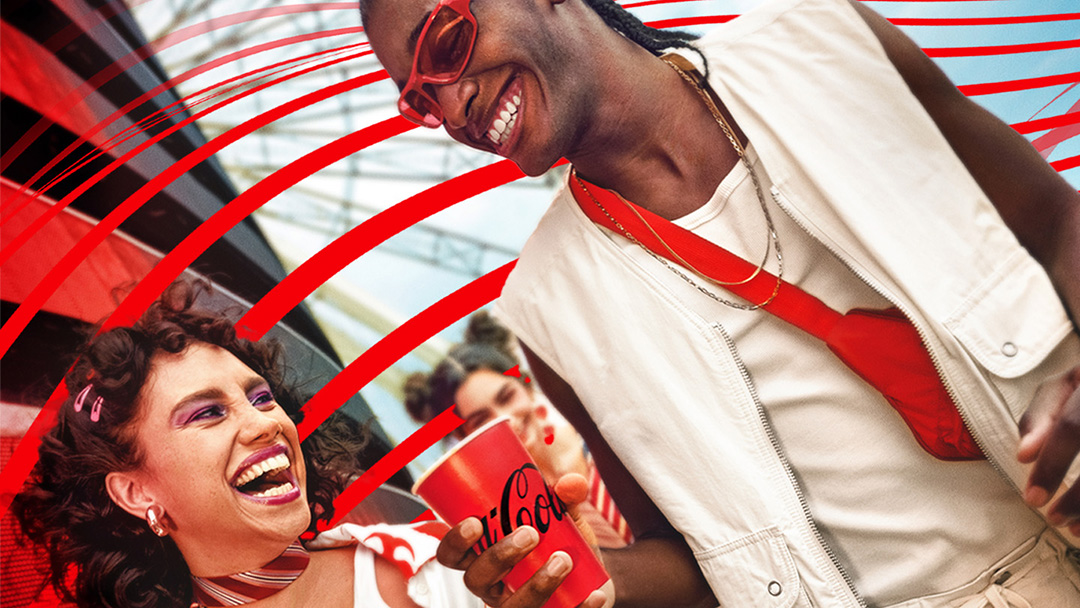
(689, 73)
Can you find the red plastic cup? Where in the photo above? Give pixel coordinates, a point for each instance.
(490, 476)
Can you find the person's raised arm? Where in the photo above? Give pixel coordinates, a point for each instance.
(1036, 203)
(1043, 210)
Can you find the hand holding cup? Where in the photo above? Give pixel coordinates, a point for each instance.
(484, 573)
(514, 536)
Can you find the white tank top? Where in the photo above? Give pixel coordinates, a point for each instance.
(852, 452)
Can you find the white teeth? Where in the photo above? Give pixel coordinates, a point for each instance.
(500, 137)
(273, 464)
(501, 126)
(284, 488)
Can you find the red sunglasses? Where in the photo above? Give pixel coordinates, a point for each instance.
(442, 52)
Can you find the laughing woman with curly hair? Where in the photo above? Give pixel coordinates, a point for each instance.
(174, 475)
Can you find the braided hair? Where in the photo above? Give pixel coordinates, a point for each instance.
(652, 39)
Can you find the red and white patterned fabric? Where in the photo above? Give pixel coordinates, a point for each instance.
(411, 548)
(600, 498)
(407, 547)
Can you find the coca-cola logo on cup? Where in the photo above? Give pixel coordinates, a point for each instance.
(526, 501)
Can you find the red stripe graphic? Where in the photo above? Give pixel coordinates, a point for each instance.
(220, 61)
(898, 21)
(399, 343)
(25, 455)
(170, 267)
(1048, 142)
(1023, 84)
(405, 452)
(951, 21)
(40, 221)
(198, 29)
(287, 294)
(652, 2)
(142, 53)
(187, 103)
(33, 302)
(427, 515)
(688, 21)
(1008, 49)
(1052, 122)
(1066, 163)
(79, 21)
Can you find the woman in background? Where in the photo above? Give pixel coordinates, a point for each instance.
(481, 378)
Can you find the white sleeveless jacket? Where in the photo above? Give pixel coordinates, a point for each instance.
(857, 162)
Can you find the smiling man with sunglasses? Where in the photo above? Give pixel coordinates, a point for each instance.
(825, 356)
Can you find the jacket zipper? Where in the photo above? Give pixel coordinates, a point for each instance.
(778, 449)
(918, 329)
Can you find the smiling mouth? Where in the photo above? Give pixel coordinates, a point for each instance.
(506, 116)
(268, 477)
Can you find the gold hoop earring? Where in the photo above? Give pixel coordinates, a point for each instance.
(155, 525)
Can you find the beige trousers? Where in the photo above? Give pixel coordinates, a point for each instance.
(1041, 573)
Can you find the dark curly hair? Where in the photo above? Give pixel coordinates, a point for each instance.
(118, 562)
(488, 345)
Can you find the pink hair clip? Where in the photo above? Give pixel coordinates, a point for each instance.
(95, 409)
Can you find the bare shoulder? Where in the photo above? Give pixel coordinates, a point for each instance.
(334, 560)
(331, 578)
(1036, 203)
(392, 585)
(336, 579)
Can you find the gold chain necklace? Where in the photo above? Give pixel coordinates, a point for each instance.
(773, 242)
